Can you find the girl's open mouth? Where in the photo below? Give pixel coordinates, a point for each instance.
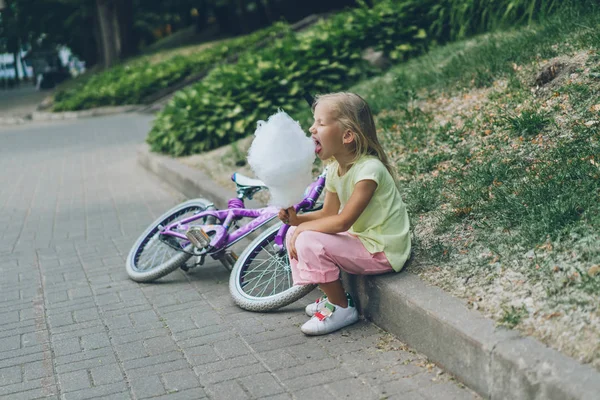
(317, 146)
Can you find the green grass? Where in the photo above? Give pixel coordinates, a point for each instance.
(509, 169)
(512, 316)
(528, 123)
(479, 62)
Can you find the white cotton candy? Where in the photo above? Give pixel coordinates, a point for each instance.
(281, 155)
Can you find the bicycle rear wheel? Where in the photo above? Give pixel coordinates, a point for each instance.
(261, 279)
(150, 257)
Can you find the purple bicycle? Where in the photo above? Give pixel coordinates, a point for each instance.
(260, 277)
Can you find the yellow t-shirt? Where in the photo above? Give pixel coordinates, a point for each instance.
(383, 225)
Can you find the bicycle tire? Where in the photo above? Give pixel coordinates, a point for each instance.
(250, 297)
(170, 259)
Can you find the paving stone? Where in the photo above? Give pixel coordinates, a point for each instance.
(147, 386)
(208, 368)
(103, 392)
(90, 314)
(108, 359)
(10, 375)
(261, 385)
(200, 355)
(313, 392)
(76, 380)
(227, 391)
(317, 378)
(189, 394)
(10, 328)
(407, 396)
(10, 343)
(128, 335)
(157, 369)
(67, 346)
(308, 368)
(231, 348)
(37, 369)
(10, 362)
(131, 351)
(106, 374)
(83, 355)
(95, 341)
(180, 380)
(10, 389)
(11, 316)
(447, 390)
(159, 345)
(279, 359)
(232, 373)
(352, 388)
(152, 360)
(200, 336)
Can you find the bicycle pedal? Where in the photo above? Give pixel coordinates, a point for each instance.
(198, 237)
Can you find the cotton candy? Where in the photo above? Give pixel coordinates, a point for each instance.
(281, 155)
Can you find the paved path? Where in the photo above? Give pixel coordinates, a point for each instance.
(72, 201)
(22, 100)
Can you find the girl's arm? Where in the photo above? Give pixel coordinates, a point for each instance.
(362, 194)
(331, 206)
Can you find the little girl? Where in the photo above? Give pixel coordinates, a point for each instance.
(363, 226)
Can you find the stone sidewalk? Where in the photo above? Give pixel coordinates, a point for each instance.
(72, 201)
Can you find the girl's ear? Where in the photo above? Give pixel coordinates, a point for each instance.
(348, 137)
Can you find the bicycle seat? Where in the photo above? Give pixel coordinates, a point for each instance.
(242, 180)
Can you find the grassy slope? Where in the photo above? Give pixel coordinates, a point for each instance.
(502, 177)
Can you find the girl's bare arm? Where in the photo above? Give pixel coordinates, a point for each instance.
(362, 194)
(331, 206)
(334, 222)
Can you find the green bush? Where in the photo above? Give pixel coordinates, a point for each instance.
(227, 103)
(131, 82)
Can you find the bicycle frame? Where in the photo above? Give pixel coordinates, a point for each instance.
(221, 239)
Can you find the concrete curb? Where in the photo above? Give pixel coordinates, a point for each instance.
(38, 116)
(497, 363)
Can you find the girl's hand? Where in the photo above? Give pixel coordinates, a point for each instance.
(292, 249)
(288, 216)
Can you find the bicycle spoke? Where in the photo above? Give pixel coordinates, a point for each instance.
(275, 284)
(154, 240)
(266, 283)
(261, 274)
(267, 271)
(266, 286)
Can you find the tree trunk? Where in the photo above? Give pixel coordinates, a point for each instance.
(202, 17)
(23, 67)
(99, 49)
(16, 65)
(126, 34)
(242, 15)
(264, 12)
(109, 43)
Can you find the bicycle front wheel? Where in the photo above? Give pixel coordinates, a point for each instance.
(150, 257)
(261, 279)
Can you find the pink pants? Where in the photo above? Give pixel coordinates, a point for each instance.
(322, 255)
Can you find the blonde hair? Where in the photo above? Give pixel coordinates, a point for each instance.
(353, 113)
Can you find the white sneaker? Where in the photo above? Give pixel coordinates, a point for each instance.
(329, 319)
(315, 306)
